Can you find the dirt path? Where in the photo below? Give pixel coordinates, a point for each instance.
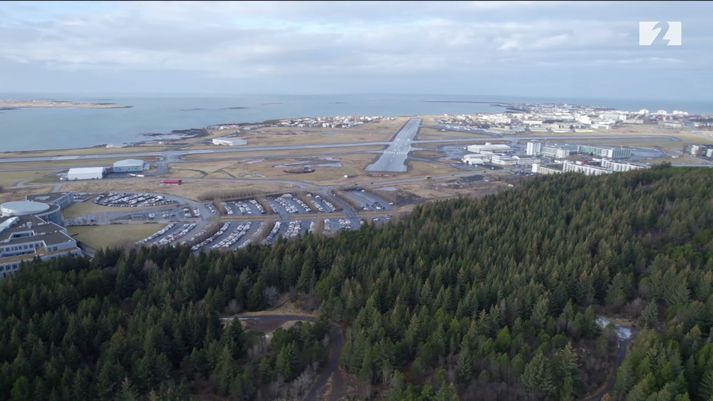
(331, 369)
(625, 336)
(271, 321)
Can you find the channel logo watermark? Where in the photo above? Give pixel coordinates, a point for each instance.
(660, 33)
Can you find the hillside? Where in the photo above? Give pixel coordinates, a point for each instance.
(494, 299)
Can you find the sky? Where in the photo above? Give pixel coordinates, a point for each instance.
(570, 49)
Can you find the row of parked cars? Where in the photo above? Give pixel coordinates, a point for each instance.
(248, 207)
(172, 238)
(127, 199)
(212, 238)
(157, 234)
(321, 204)
(234, 237)
(290, 204)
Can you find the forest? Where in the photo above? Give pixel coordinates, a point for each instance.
(466, 299)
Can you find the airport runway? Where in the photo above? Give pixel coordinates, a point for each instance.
(398, 148)
(393, 159)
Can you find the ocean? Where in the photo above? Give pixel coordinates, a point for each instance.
(38, 129)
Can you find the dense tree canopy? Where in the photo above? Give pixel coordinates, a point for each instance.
(473, 299)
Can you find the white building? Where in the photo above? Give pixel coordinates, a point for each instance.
(586, 169)
(229, 141)
(545, 170)
(620, 167)
(476, 159)
(502, 160)
(490, 147)
(534, 148)
(86, 173)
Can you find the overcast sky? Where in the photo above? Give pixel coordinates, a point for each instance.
(553, 49)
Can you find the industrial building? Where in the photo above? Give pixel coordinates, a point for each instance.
(489, 147)
(129, 166)
(24, 238)
(86, 173)
(229, 141)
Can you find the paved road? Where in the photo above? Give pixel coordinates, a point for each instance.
(393, 159)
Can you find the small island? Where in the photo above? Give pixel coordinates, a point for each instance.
(57, 104)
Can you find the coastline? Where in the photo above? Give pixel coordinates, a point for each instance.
(10, 104)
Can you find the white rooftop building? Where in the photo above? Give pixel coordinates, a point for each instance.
(229, 141)
(86, 173)
(490, 147)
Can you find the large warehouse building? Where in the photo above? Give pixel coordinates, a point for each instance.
(86, 173)
(129, 166)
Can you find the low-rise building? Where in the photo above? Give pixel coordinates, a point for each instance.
(620, 167)
(24, 238)
(489, 147)
(586, 169)
(229, 141)
(86, 173)
(129, 166)
(546, 170)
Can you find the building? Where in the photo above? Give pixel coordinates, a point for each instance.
(489, 147)
(546, 170)
(611, 153)
(475, 159)
(86, 173)
(229, 141)
(620, 167)
(534, 148)
(502, 160)
(586, 169)
(129, 166)
(24, 238)
(47, 211)
(63, 200)
(557, 152)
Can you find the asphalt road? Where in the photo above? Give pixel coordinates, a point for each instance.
(394, 157)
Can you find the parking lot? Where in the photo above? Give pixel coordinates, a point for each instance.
(127, 199)
(367, 201)
(287, 204)
(320, 204)
(250, 207)
(336, 225)
(173, 234)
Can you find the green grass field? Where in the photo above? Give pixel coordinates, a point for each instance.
(99, 237)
